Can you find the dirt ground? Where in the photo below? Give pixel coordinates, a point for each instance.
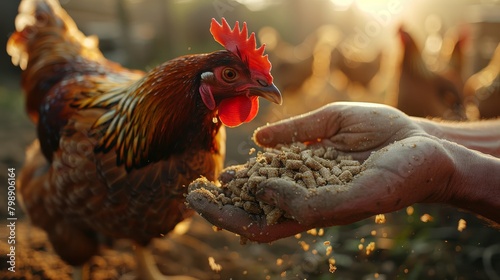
(186, 254)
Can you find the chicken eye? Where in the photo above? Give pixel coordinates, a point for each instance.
(229, 74)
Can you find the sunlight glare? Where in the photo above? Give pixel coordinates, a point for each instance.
(368, 6)
(342, 5)
(255, 5)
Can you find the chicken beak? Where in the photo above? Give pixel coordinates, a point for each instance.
(270, 92)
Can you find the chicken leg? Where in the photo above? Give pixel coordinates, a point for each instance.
(147, 269)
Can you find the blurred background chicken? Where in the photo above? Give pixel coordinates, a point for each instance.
(304, 70)
(422, 92)
(452, 62)
(359, 71)
(116, 147)
(291, 63)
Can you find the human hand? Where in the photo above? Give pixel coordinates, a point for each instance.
(395, 177)
(404, 165)
(353, 128)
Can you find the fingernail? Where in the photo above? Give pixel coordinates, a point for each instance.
(263, 136)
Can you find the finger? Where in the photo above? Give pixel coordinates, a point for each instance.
(284, 194)
(309, 207)
(322, 207)
(239, 221)
(304, 128)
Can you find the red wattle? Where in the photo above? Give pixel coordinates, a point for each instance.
(237, 110)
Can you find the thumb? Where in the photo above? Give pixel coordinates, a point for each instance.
(284, 194)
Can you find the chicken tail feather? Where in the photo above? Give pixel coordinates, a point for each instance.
(40, 21)
(47, 45)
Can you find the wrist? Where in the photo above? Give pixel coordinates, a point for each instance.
(475, 183)
(483, 136)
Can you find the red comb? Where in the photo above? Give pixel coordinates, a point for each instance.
(238, 42)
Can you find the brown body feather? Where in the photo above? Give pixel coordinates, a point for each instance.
(116, 147)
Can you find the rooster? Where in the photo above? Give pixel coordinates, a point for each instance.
(116, 147)
(423, 93)
(483, 88)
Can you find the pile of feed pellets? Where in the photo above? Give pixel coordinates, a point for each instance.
(309, 167)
